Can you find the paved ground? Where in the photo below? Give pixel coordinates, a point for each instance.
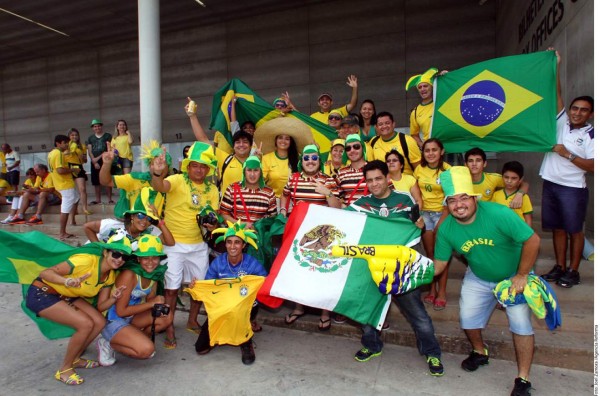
(288, 362)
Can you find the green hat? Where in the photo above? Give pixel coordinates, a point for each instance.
(153, 150)
(149, 246)
(118, 242)
(310, 149)
(149, 202)
(457, 180)
(426, 77)
(279, 99)
(96, 121)
(237, 229)
(252, 162)
(201, 153)
(351, 139)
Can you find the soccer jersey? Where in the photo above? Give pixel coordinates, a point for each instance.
(276, 172)
(184, 201)
(420, 120)
(4, 184)
(404, 184)
(489, 183)
(61, 181)
(503, 199)
(121, 143)
(352, 184)
(247, 204)
(381, 147)
(431, 189)
(301, 188)
(324, 117)
(131, 185)
(492, 243)
(395, 205)
(233, 171)
(76, 151)
(82, 264)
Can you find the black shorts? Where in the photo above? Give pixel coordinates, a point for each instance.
(12, 178)
(81, 174)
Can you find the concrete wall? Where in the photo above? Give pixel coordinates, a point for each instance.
(568, 26)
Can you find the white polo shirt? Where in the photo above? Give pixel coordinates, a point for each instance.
(580, 142)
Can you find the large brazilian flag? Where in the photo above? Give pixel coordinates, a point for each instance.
(503, 104)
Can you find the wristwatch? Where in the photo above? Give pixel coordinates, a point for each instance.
(571, 157)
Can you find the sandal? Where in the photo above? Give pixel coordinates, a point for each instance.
(94, 203)
(292, 317)
(73, 379)
(439, 305)
(170, 343)
(195, 329)
(324, 325)
(111, 202)
(85, 364)
(256, 328)
(88, 212)
(429, 299)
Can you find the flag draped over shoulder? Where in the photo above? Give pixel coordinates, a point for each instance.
(304, 271)
(503, 104)
(24, 256)
(251, 107)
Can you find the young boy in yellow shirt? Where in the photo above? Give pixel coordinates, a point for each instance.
(512, 175)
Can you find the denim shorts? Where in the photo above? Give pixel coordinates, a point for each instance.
(431, 219)
(477, 303)
(37, 299)
(114, 326)
(563, 208)
(125, 162)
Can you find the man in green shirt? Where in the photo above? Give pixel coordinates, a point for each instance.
(497, 245)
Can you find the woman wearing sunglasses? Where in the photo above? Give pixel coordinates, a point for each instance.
(402, 181)
(59, 294)
(313, 186)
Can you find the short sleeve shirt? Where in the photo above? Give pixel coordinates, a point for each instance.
(61, 181)
(503, 199)
(489, 183)
(420, 120)
(82, 264)
(382, 147)
(431, 189)
(98, 143)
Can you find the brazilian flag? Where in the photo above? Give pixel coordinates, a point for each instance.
(251, 107)
(503, 104)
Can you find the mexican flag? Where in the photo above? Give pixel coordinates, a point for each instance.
(502, 104)
(304, 271)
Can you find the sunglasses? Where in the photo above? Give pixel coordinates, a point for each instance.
(117, 255)
(142, 216)
(334, 118)
(280, 105)
(313, 157)
(355, 146)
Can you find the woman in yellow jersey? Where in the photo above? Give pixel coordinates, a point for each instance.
(59, 293)
(333, 165)
(76, 156)
(428, 178)
(278, 165)
(122, 141)
(402, 182)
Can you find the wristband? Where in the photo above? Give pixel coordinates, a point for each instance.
(67, 280)
(154, 174)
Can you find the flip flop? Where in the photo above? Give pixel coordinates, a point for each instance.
(85, 364)
(111, 202)
(256, 327)
(94, 203)
(439, 305)
(429, 299)
(292, 317)
(65, 237)
(170, 343)
(322, 326)
(195, 330)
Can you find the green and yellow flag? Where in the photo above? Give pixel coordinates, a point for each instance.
(503, 104)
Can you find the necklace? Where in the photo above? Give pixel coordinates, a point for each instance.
(237, 270)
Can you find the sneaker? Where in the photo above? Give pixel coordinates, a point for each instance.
(475, 360)
(522, 387)
(436, 367)
(365, 354)
(339, 319)
(248, 355)
(34, 220)
(106, 355)
(569, 279)
(7, 220)
(16, 220)
(555, 274)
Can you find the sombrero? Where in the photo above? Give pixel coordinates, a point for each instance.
(267, 132)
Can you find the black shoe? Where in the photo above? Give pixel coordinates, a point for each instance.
(522, 387)
(475, 360)
(248, 355)
(555, 274)
(436, 368)
(365, 354)
(569, 279)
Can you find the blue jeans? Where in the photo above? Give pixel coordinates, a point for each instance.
(413, 309)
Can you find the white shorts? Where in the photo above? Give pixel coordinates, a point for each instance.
(70, 197)
(185, 261)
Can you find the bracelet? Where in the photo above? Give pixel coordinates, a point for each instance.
(330, 194)
(161, 222)
(283, 209)
(67, 280)
(154, 174)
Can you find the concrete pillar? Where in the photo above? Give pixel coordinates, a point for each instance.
(149, 55)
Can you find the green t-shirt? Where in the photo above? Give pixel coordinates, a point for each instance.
(492, 243)
(397, 204)
(98, 143)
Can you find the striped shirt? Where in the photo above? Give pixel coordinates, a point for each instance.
(247, 204)
(352, 184)
(301, 188)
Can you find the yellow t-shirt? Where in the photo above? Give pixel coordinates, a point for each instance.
(61, 181)
(2, 162)
(489, 183)
(276, 172)
(420, 120)
(4, 184)
(131, 186)
(323, 117)
(76, 151)
(82, 264)
(221, 143)
(503, 199)
(183, 202)
(431, 189)
(382, 147)
(121, 143)
(404, 184)
(233, 171)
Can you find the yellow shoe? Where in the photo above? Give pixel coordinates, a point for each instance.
(73, 379)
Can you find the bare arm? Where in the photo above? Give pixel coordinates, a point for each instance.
(415, 191)
(104, 174)
(559, 100)
(158, 170)
(439, 266)
(196, 127)
(127, 280)
(166, 237)
(352, 82)
(582, 163)
(91, 229)
(129, 137)
(529, 254)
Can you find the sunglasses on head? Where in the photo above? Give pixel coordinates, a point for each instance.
(355, 146)
(334, 118)
(117, 255)
(313, 157)
(142, 216)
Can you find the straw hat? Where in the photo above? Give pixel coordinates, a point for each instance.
(267, 132)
